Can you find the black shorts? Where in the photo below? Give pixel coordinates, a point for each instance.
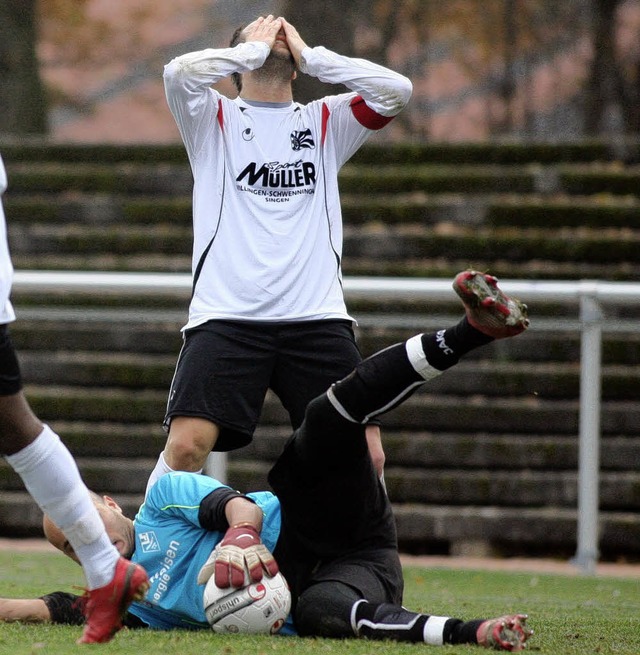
(225, 368)
(10, 378)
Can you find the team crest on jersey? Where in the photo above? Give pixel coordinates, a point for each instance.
(302, 139)
(149, 542)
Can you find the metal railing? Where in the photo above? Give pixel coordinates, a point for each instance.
(589, 297)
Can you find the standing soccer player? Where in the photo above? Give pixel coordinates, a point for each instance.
(268, 309)
(51, 476)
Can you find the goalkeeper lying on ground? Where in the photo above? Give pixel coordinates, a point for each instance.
(329, 524)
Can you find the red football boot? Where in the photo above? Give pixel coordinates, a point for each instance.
(106, 606)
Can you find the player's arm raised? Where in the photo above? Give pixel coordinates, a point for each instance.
(385, 92)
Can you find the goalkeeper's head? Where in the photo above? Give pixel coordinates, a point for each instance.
(118, 526)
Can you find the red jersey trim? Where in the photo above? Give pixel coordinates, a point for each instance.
(325, 120)
(220, 115)
(366, 116)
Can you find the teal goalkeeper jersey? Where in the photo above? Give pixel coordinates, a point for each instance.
(172, 546)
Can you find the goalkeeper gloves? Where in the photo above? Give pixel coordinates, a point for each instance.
(240, 549)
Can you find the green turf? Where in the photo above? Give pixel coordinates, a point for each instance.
(570, 614)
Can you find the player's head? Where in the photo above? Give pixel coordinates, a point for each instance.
(280, 61)
(119, 528)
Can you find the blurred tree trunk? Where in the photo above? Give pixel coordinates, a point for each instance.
(604, 87)
(508, 86)
(331, 23)
(22, 96)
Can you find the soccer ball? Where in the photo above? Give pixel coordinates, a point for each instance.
(257, 608)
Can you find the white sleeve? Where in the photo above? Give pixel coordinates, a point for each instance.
(383, 90)
(6, 268)
(188, 80)
(206, 67)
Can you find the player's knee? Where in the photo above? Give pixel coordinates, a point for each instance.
(190, 442)
(324, 610)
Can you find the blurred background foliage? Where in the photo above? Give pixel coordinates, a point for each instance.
(482, 69)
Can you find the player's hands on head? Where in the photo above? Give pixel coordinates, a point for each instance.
(294, 40)
(263, 29)
(240, 549)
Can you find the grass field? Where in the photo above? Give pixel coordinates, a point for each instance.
(569, 614)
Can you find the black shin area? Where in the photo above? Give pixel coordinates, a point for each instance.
(386, 621)
(377, 384)
(465, 632)
(444, 348)
(324, 610)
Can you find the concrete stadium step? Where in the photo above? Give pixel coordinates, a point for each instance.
(504, 529)
(121, 239)
(98, 329)
(112, 439)
(99, 369)
(160, 178)
(124, 475)
(537, 269)
(583, 246)
(579, 179)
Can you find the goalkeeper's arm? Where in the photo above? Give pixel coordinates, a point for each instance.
(241, 548)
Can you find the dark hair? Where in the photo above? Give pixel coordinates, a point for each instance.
(236, 78)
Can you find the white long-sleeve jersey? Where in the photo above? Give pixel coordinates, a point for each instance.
(6, 268)
(266, 210)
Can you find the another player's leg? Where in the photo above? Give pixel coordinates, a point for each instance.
(51, 476)
(106, 606)
(387, 378)
(336, 610)
(385, 621)
(216, 394)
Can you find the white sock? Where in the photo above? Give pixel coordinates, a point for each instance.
(160, 469)
(51, 476)
(434, 630)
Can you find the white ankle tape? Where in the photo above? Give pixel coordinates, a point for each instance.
(434, 630)
(418, 359)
